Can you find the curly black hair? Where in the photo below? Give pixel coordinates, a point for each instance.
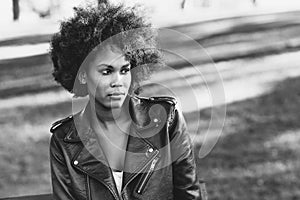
(91, 26)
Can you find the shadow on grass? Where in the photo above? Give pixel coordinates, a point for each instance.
(32, 39)
(257, 157)
(24, 62)
(26, 75)
(24, 147)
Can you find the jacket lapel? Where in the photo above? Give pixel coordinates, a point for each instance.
(139, 153)
(93, 162)
(91, 159)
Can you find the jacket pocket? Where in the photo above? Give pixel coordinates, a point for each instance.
(145, 177)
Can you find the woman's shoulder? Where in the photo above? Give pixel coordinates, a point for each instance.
(160, 107)
(159, 99)
(61, 127)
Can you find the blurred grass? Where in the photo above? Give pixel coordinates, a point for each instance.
(257, 156)
(24, 144)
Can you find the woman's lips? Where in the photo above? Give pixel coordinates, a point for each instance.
(116, 94)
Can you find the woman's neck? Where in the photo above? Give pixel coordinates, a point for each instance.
(106, 115)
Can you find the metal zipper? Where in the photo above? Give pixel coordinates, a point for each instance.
(88, 187)
(144, 179)
(139, 170)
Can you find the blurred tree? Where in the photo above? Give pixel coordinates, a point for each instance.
(16, 10)
(183, 4)
(42, 13)
(42, 8)
(102, 2)
(205, 3)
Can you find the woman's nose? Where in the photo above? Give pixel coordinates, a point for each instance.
(116, 81)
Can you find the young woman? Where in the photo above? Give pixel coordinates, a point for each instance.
(120, 146)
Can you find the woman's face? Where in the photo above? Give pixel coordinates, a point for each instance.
(108, 77)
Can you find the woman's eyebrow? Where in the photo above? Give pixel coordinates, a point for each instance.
(105, 65)
(126, 65)
(111, 67)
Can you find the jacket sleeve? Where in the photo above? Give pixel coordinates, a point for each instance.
(59, 173)
(185, 182)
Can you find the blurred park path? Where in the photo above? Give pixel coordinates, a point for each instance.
(250, 43)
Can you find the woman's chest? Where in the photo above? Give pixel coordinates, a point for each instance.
(114, 149)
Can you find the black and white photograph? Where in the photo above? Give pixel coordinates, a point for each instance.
(150, 100)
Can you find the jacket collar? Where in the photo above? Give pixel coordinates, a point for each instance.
(139, 111)
(91, 159)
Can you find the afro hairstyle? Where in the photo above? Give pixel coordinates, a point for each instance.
(92, 25)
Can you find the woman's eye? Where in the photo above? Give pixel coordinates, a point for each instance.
(106, 72)
(125, 71)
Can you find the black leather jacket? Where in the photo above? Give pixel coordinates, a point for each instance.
(160, 164)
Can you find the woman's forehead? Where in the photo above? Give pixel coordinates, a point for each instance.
(110, 55)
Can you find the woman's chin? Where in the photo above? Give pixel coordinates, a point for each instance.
(115, 104)
(110, 102)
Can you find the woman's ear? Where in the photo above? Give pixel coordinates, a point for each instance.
(82, 77)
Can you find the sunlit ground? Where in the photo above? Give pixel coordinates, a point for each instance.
(257, 156)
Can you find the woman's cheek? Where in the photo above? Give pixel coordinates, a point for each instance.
(128, 80)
